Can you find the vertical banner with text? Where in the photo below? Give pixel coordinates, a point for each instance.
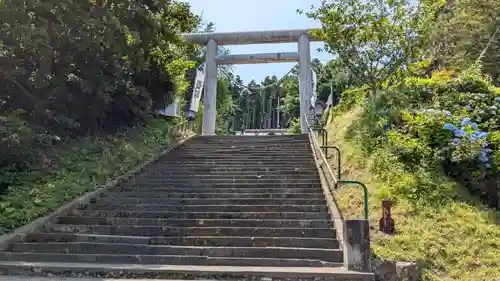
(197, 91)
(314, 81)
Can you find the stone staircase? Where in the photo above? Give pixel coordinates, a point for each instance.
(226, 208)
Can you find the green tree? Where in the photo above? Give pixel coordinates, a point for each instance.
(291, 98)
(461, 32)
(371, 38)
(73, 66)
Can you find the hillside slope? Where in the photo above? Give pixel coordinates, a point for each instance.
(456, 240)
(73, 167)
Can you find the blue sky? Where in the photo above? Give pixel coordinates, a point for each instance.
(255, 15)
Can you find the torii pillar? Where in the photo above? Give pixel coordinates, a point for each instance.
(212, 40)
(305, 81)
(210, 98)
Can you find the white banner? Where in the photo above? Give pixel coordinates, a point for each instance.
(197, 89)
(330, 100)
(314, 88)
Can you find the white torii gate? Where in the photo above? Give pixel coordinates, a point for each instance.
(212, 40)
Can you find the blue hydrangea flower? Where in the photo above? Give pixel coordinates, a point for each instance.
(459, 133)
(449, 127)
(465, 121)
(481, 135)
(484, 158)
(455, 141)
(473, 125)
(487, 150)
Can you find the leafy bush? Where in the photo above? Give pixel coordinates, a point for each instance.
(294, 127)
(351, 97)
(75, 167)
(21, 149)
(452, 122)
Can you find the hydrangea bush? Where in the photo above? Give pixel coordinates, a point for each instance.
(445, 120)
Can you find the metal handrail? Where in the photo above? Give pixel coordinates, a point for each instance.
(181, 127)
(339, 159)
(324, 160)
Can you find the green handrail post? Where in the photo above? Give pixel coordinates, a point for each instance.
(323, 149)
(339, 159)
(365, 191)
(324, 134)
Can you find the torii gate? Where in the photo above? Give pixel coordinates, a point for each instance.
(212, 40)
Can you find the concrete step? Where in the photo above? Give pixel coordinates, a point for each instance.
(246, 145)
(207, 208)
(281, 143)
(209, 195)
(329, 255)
(278, 143)
(216, 241)
(196, 222)
(248, 138)
(214, 187)
(233, 167)
(130, 187)
(82, 278)
(252, 156)
(142, 230)
(123, 213)
(248, 176)
(264, 154)
(239, 147)
(236, 168)
(168, 171)
(228, 178)
(270, 158)
(264, 151)
(289, 136)
(244, 148)
(159, 259)
(239, 160)
(214, 183)
(209, 201)
(184, 272)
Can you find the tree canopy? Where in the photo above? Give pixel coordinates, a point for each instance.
(88, 66)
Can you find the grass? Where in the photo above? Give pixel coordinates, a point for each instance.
(455, 240)
(80, 166)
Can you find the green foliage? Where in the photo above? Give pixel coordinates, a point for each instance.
(428, 123)
(74, 167)
(439, 224)
(372, 39)
(291, 101)
(351, 98)
(462, 32)
(92, 65)
(294, 127)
